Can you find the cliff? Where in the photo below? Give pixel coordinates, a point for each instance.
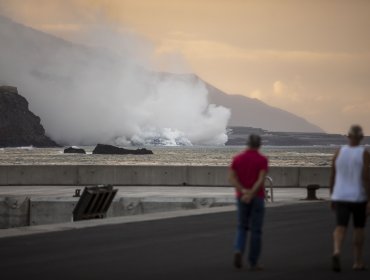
(18, 125)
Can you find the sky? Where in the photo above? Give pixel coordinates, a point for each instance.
(311, 58)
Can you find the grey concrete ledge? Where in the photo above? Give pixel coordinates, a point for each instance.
(31, 230)
(141, 175)
(22, 206)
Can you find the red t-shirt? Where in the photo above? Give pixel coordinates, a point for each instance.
(247, 167)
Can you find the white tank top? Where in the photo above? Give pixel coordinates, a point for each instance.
(349, 184)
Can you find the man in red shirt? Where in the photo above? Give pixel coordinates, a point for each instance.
(247, 174)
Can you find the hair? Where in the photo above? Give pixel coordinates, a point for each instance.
(356, 132)
(254, 141)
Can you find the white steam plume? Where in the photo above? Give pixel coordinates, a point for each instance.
(89, 95)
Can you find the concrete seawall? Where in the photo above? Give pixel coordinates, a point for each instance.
(81, 175)
(42, 205)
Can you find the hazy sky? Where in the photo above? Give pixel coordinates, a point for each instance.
(309, 57)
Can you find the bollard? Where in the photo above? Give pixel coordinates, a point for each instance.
(77, 193)
(311, 192)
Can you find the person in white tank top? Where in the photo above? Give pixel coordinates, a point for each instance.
(350, 195)
(349, 166)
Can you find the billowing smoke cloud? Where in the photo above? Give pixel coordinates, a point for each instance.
(88, 95)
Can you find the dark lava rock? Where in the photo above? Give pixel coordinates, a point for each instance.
(18, 125)
(112, 150)
(71, 150)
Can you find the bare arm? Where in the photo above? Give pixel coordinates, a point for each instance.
(249, 194)
(234, 181)
(366, 174)
(333, 172)
(366, 179)
(258, 184)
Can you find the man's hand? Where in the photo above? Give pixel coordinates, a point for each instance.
(332, 205)
(247, 196)
(233, 178)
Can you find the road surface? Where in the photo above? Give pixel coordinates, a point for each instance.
(297, 245)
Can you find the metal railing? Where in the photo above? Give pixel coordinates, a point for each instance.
(269, 194)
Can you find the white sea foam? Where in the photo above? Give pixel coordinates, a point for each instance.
(27, 148)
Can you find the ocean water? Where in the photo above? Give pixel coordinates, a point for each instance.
(220, 156)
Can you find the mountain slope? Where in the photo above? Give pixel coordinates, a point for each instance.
(250, 112)
(254, 113)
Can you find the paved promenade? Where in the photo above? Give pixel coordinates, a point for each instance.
(297, 246)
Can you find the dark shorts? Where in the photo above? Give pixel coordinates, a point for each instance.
(344, 210)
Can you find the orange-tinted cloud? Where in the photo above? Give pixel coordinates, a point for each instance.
(316, 53)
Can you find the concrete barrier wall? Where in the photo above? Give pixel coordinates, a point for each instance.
(44, 211)
(23, 211)
(285, 176)
(314, 176)
(151, 175)
(14, 211)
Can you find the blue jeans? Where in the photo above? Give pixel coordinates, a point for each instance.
(250, 217)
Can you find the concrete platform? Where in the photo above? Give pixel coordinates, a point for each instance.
(281, 194)
(297, 245)
(40, 205)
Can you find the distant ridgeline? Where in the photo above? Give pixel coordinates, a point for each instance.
(18, 125)
(238, 136)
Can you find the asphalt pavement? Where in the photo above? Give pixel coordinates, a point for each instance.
(297, 245)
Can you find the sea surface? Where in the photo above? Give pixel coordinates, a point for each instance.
(211, 156)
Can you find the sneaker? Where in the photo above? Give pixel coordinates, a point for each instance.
(238, 260)
(360, 267)
(256, 268)
(335, 263)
